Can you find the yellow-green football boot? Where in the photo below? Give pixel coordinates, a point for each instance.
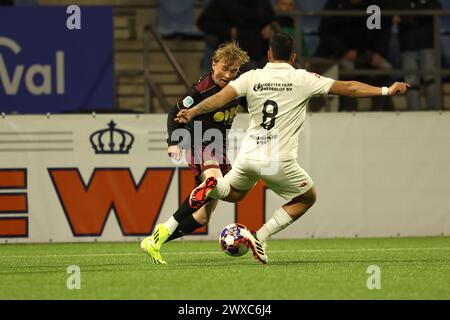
(147, 246)
(153, 243)
(159, 236)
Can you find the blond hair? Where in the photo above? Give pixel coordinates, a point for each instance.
(230, 53)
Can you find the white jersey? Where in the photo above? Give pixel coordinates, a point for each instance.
(277, 96)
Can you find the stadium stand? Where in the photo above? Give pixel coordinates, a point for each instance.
(311, 24)
(445, 33)
(130, 18)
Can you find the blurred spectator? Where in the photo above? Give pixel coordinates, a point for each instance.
(286, 23)
(347, 39)
(210, 45)
(445, 36)
(310, 24)
(416, 39)
(176, 18)
(246, 21)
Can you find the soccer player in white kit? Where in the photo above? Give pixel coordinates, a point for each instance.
(277, 97)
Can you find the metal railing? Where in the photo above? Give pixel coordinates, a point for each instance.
(438, 71)
(150, 86)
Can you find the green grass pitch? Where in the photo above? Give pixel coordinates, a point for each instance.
(410, 268)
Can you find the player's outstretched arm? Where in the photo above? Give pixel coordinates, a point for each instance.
(210, 104)
(359, 89)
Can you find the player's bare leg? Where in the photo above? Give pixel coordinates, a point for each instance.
(299, 205)
(282, 218)
(287, 214)
(203, 215)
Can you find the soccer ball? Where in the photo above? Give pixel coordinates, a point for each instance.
(233, 241)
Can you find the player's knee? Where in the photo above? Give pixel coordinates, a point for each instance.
(308, 198)
(313, 197)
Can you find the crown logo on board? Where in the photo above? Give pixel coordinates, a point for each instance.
(111, 140)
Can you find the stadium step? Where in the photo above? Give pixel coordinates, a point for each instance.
(136, 104)
(175, 45)
(130, 103)
(138, 79)
(138, 90)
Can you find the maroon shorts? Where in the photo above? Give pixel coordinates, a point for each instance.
(203, 158)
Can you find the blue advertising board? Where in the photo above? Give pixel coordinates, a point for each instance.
(56, 60)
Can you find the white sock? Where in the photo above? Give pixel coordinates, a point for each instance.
(171, 224)
(280, 220)
(221, 190)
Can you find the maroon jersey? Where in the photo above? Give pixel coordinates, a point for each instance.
(198, 155)
(220, 119)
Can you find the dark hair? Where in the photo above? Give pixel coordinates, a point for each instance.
(282, 46)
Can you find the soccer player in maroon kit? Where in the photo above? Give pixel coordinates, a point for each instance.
(206, 157)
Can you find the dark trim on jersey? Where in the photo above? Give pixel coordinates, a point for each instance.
(205, 83)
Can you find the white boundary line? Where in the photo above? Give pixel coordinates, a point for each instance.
(218, 251)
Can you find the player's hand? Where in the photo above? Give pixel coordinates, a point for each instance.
(184, 116)
(398, 88)
(174, 152)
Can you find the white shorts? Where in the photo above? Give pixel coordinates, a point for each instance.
(286, 178)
